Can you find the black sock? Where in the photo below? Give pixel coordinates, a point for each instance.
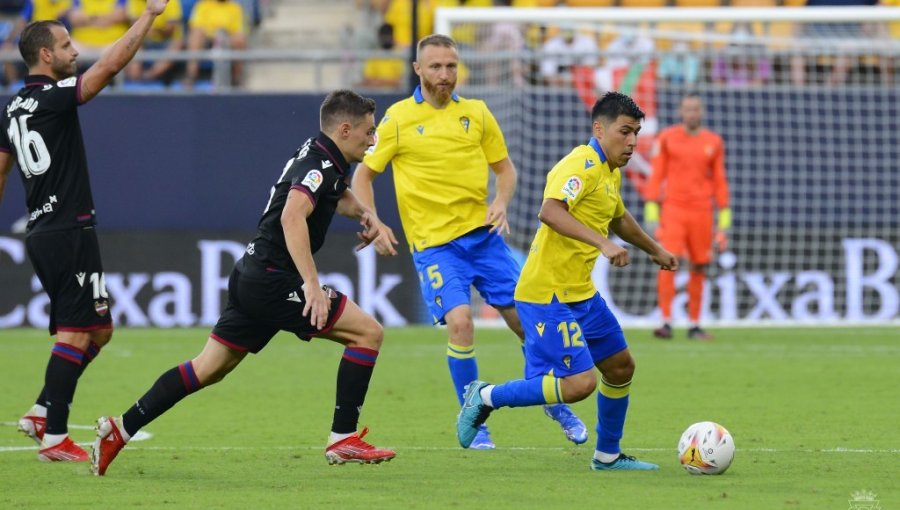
(167, 391)
(354, 373)
(89, 355)
(63, 369)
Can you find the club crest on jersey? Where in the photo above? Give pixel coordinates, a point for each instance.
(572, 187)
(421, 129)
(101, 307)
(464, 121)
(313, 180)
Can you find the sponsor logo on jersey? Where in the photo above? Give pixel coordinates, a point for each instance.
(588, 163)
(540, 328)
(572, 187)
(438, 301)
(421, 129)
(293, 296)
(326, 164)
(465, 123)
(80, 278)
(251, 248)
(313, 180)
(567, 361)
(68, 82)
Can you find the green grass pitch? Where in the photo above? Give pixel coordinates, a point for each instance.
(814, 413)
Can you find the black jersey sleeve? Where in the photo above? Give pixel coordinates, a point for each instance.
(315, 180)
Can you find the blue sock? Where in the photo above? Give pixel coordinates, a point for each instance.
(527, 392)
(463, 367)
(612, 405)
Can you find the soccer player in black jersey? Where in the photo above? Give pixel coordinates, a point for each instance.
(274, 287)
(42, 134)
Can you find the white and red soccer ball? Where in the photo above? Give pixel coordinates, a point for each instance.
(706, 448)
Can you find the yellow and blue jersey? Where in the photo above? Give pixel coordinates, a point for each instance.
(211, 16)
(558, 265)
(440, 159)
(39, 10)
(97, 36)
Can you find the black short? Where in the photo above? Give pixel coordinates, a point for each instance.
(259, 306)
(68, 264)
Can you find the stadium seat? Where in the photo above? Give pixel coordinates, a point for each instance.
(698, 3)
(752, 3)
(644, 3)
(590, 3)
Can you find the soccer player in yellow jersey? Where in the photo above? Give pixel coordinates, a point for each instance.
(569, 330)
(441, 146)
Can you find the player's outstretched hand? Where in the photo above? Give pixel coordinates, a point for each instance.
(665, 260)
(617, 255)
(384, 239)
(156, 7)
(315, 305)
(496, 217)
(369, 232)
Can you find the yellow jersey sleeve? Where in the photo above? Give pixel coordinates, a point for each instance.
(493, 144)
(385, 148)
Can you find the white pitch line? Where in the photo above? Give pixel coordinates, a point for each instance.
(442, 448)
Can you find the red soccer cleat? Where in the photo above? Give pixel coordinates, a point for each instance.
(67, 451)
(107, 445)
(354, 449)
(33, 426)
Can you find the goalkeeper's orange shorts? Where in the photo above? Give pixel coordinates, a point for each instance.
(687, 233)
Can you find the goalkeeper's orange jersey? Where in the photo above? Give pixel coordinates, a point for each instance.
(688, 170)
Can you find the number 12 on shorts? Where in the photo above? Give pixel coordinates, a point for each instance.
(571, 334)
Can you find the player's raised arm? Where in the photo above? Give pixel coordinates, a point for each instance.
(507, 178)
(297, 208)
(114, 59)
(555, 214)
(6, 163)
(626, 227)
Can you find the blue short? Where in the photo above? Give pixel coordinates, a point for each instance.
(480, 258)
(568, 338)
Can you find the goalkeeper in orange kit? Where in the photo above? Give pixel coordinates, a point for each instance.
(687, 185)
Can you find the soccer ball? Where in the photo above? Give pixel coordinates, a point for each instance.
(706, 448)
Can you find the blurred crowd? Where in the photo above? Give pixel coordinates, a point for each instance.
(95, 24)
(740, 54)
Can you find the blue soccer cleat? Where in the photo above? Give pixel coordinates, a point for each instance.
(482, 440)
(474, 412)
(623, 463)
(571, 424)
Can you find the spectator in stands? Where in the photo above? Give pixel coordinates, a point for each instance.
(680, 66)
(830, 34)
(565, 50)
(629, 54)
(97, 24)
(505, 37)
(32, 10)
(384, 72)
(216, 22)
(166, 33)
(742, 63)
